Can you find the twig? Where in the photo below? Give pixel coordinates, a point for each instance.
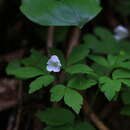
(98, 123)
(74, 39)
(19, 112)
(50, 37)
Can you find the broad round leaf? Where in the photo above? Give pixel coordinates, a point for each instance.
(60, 12)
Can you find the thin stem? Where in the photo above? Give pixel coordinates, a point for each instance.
(93, 117)
(50, 37)
(73, 41)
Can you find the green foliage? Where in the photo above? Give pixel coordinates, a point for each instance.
(78, 53)
(99, 60)
(40, 82)
(57, 93)
(79, 68)
(56, 116)
(76, 126)
(107, 67)
(60, 12)
(84, 126)
(104, 43)
(12, 66)
(109, 87)
(81, 83)
(36, 59)
(66, 127)
(73, 99)
(26, 72)
(121, 74)
(126, 97)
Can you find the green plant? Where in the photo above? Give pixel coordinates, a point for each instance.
(100, 61)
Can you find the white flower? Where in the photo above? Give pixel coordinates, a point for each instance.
(53, 64)
(120, 32)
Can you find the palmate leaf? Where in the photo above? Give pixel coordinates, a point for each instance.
(121, 74)
(104, 42)
(81, 83)
(109, 87)
(26, 72)
(73, 99)
(78, 53)
(36, 59)
(60, 12)
(99, 60)
(79, 68)
(57, 93)
(40, 82)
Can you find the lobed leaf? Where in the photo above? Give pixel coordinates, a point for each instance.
(40, 82)
(73, 99)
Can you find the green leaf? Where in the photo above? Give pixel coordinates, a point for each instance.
(12, 66)
(100, 70)
(125, 65)
(60, 12)
(112, 60)
(26, 72)
(56, 116)
(40, 82)
(84, 126)
(126, 82)
(103, 42)
(125, 110)
(79, 68)
(109, 87)
(81, 83)
(126, 97)
(36, 59)
(121, 74)
(66, 127)
(73, 99)
(78, 53)
(57, 93)
(99, 60)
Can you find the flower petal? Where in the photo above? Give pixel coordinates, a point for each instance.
(120, 32)
(56, 69)
(54, 58)
(49, 68)
(53, 64)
